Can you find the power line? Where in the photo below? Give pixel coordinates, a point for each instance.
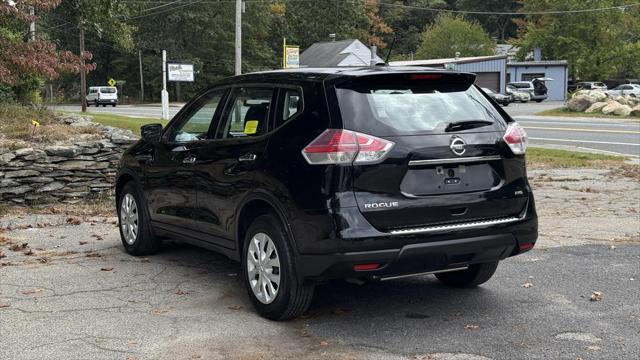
(470, 12)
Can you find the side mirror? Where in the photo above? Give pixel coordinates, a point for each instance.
(151, 132)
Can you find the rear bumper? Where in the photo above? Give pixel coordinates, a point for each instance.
(411, 258)
(425, 252)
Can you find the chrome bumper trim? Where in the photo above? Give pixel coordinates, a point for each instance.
(460, 160)
(459, 226)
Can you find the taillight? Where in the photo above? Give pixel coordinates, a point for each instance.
(516, 138)
(335, 146)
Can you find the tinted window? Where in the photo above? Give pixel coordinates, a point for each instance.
(521, 85)
(198, 118)
(108, 90)
(412, 107)
(248, 114)
(292, 103)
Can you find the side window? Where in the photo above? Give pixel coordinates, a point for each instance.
(248, 113)
(196, 126)
(292, 103)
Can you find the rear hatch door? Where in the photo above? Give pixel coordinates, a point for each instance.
(448, 163)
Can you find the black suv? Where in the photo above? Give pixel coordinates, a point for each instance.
(314, 174)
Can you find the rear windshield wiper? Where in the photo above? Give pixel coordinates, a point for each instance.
(467, 124)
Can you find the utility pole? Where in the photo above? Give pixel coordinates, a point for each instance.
(164, 95)
(83, 73)
(32, 25)
(141, 77)
(238, 37)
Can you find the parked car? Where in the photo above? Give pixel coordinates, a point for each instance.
(306, 175)
(626, 89)
(587, 85)
(536, 88)
(102, 95)
(501, 99)
(521, 96)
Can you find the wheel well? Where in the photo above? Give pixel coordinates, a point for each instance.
(249, 212)
(122, 180)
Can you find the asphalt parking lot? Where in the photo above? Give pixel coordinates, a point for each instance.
(72, 293)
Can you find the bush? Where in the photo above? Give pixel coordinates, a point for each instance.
(6, 94)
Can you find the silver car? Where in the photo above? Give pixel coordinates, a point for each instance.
(625, 89)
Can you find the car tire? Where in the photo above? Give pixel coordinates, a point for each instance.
(95, 102)
(538, 101)
(104, 105)
(505, 104)
(473, 276)
(267, 237)
(133, 222)
(114, 105)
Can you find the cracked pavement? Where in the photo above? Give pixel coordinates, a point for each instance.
(73, 293)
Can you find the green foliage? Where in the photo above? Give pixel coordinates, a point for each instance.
(597, 45)
(6, 94)
(27, 91)
(450, 34)
(499, 26)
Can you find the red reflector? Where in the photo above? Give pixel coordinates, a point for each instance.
(426, 77)
(365, 267)
(526, 246)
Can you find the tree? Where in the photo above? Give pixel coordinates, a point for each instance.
(598, 45)
(452, 34)
(501, 27)
(25, 60)
(407, 24)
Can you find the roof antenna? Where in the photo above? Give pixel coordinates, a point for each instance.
(386, 60)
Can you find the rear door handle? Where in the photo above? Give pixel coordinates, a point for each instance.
(189, 160)
(248, 157)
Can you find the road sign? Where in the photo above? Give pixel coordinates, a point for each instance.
(111, 82)
(180, 72)
(291, 56)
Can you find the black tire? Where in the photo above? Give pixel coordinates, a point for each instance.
(293, 296)
(145, 242)
(473, 276)
(505, 104)
(114, 105)
(538, 101)
(104, 105)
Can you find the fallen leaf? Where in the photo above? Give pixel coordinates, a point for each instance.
(596, 296)
(4, 305)
(83, 242)
(93, 255)
(324, 343)
(72, 220)
(181, 292)
(98, 237)
(527, 285)
(32, 291)
(160, 311)
(593, 348)
(235, 307)
(471, 327)
(106, 269)
(18, 247)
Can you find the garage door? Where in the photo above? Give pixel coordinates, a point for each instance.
(489, 80)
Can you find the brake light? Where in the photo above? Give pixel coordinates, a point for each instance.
(336, 146)
(426, 77)
(516, 138)
(366, 267)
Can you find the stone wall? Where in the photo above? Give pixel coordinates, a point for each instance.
(67, 172)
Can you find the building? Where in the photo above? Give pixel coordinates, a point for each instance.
(337, 53)
(491, 71)
(554, 69)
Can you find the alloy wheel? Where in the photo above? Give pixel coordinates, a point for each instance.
(263, 268)
(129, 218)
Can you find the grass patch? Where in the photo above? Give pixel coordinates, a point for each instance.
(553, 158)
(563, 111)
(16, 123)
(125, 122)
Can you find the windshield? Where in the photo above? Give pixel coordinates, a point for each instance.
(413, 108)
(108, 90)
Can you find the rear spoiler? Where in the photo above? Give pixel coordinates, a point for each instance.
(452, 81)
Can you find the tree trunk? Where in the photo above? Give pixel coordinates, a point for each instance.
(83, 74)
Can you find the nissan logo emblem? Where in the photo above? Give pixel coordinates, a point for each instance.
(458, 146)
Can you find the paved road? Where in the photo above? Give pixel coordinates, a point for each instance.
(605, 135)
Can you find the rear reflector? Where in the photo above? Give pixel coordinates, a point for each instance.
(336, 146)
(516, 138)
(526, 247)
(365, 267)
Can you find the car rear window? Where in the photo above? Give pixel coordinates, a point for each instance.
(412, 107)
(108, 90)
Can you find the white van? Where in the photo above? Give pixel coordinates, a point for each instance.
(102, 95)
